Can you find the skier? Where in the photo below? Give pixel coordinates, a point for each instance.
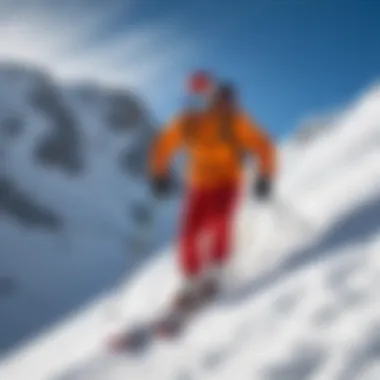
(215, 133)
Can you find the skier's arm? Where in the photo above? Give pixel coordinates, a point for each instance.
(253, 138)
(164, 147)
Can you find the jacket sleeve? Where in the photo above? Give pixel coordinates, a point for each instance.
(165, 145)
(253, 139)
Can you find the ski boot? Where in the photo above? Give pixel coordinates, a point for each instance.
(186, 300)
(210, 286)
(184, 303)
(209, 289)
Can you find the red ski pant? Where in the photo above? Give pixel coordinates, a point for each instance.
(208, 212)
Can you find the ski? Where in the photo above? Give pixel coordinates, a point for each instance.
(167, 326)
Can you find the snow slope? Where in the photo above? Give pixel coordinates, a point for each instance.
(72, 187)
(302, 300)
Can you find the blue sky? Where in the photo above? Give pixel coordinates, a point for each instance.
(289, 58)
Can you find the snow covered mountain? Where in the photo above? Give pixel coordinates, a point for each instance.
(72, 193)
(302, 301)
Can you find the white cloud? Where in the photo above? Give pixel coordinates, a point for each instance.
(66, 37)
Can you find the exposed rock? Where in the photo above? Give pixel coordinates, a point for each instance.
(62, 147)
(19, 206)
(124, 112)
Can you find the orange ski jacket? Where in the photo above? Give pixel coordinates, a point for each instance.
(214, 144)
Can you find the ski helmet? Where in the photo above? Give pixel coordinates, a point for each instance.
(200, 82)
(200, 87)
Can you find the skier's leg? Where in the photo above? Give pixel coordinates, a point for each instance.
(223, 214)
(190, 258)
(221, 230)
(192, 222)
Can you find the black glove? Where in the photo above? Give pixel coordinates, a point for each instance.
(263, 188)
(161, 186)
